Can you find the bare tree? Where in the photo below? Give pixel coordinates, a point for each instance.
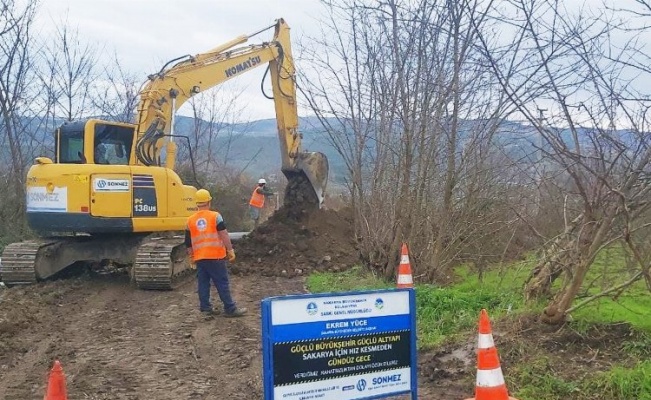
(404, 97)
(15, 70)
(15, 41)
(116, 93)
(68, 74)
(595, 140)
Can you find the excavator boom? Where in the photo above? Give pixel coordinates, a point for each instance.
(169, 89)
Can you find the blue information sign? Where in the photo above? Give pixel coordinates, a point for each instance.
(340, 346)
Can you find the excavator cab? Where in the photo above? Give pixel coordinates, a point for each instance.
(94, 204)
(94, 142)
(69, 144)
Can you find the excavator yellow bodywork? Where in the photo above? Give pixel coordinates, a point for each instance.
(111, 186)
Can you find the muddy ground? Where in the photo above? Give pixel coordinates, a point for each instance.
(117, 342)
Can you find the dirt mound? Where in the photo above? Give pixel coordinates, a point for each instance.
(293, 243)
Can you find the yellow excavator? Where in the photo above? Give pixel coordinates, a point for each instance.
(111, 192)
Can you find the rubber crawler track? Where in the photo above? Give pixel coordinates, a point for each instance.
(18, 262)
(160, 263)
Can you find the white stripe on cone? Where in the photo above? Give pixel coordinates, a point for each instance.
(490, 377)
(404, 279)
(485, 341)
(404, 259)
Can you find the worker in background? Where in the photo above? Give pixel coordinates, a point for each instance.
(257, 200)
(209, 246)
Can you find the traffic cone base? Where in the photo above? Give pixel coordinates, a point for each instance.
(490, 384)
(405, 279)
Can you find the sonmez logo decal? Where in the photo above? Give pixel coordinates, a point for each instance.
(387, 379)
(111, 185)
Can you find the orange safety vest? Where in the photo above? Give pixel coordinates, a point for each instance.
(257, 199)
(206, 244)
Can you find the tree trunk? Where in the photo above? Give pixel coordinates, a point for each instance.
(555, 260)
(556, 257)
(577, 259)
(555, 312)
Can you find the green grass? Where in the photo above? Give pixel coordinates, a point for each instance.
(542, 383)
(639, 347)
(445, 312)
(441, 312)
(632, 306)
(624, 383)
(355, 278)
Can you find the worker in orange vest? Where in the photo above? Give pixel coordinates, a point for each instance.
(257, 200)
(209, 246)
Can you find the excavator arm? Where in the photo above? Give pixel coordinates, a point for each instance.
(166, 91)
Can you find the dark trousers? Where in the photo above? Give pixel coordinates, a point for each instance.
(254, 212)
(215, 271)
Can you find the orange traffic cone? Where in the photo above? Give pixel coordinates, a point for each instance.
(405, 279)
(490, 383)
(56, 385)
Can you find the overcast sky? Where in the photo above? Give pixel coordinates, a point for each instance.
(147, 33)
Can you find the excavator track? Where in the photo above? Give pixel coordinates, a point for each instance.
(157, 263)
(161, 264)
(18, 261)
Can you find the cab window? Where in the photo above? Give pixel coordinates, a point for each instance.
(70, 140)
(112, 144)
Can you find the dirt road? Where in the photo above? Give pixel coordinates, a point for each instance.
(116, 342)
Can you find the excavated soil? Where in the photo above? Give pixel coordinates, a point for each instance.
(299, 238)
(294, 243)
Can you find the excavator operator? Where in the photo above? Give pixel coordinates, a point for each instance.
(208, 245)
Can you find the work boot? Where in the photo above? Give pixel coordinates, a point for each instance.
(210, 313)
(237, 313)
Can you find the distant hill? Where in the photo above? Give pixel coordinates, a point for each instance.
(255, 147)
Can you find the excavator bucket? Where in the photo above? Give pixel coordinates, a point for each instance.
(315, 167)
(307, 181)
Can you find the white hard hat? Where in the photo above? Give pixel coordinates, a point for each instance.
(262, 180)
